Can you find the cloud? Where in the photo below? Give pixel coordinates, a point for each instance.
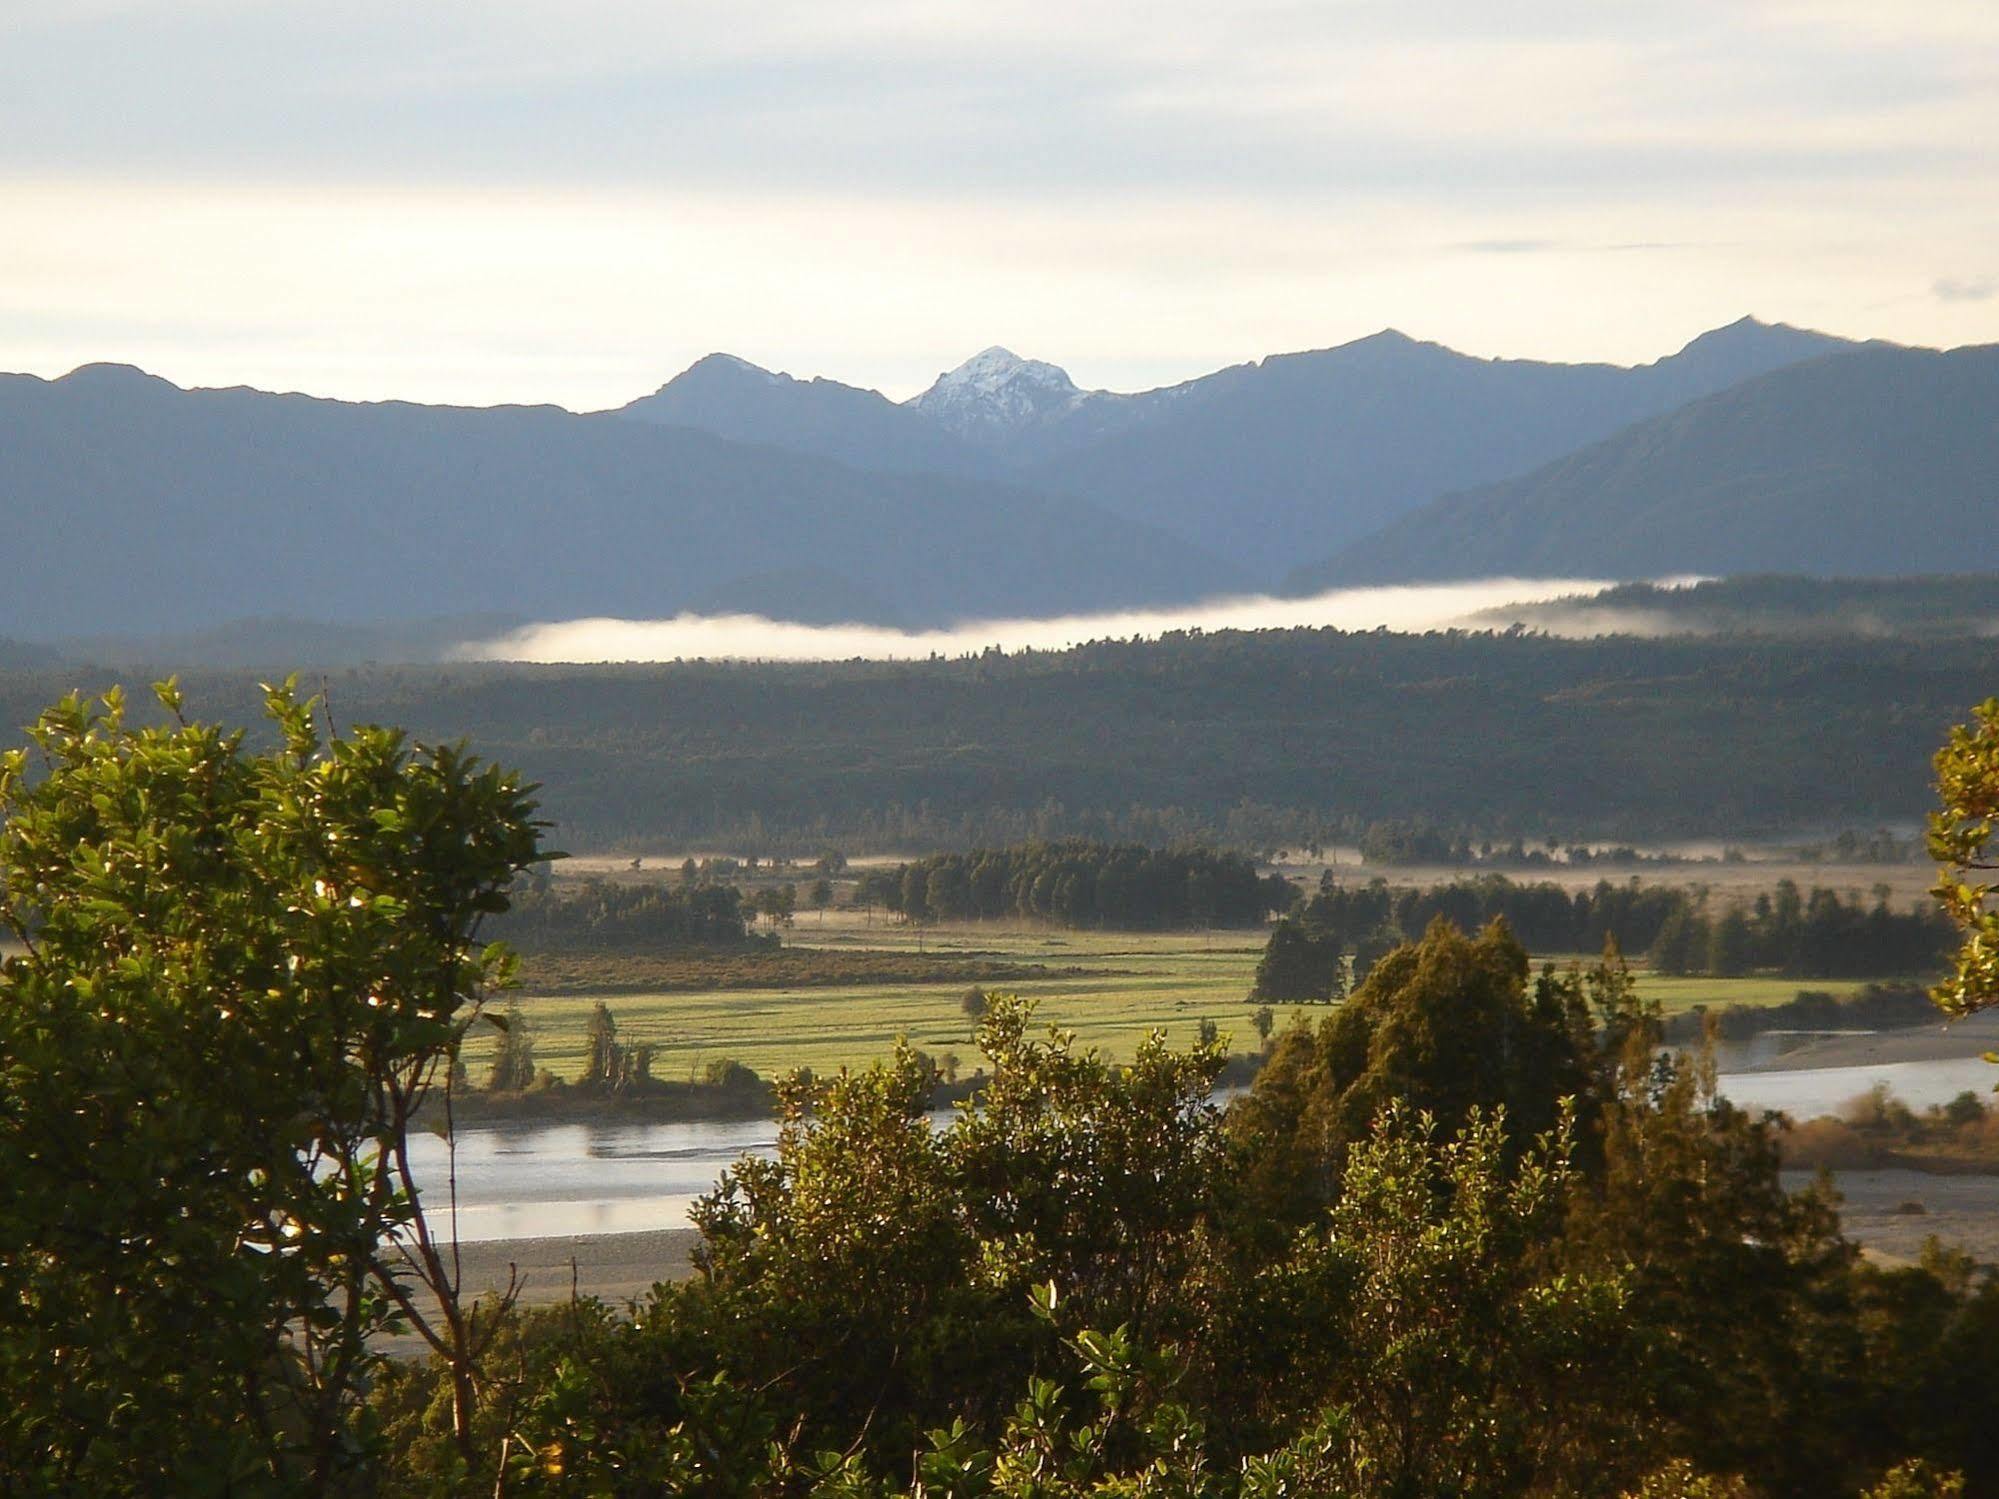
(537, 202)
(1479, 604)
(1949, 290)
(1509, 246)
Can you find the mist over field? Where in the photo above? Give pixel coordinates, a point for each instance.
(1479, 604)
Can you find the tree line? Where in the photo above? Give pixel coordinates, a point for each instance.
(603, 913)
(1875, 1007)
(1248, 740)
(1797, 935)
(1331, 940)
(1082, 884)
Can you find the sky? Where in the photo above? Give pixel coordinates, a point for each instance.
(446, 201)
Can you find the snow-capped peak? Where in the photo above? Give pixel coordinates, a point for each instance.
(996, 393)
(991, 371)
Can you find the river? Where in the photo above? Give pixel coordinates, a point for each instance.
(536, 1181)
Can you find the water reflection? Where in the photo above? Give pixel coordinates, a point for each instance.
(539, 1180)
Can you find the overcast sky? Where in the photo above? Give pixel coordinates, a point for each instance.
(571, 201)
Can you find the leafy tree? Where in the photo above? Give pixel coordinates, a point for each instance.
(1731, 950)
(601, 1062)
(1472, 1361)
(241, 975)
(513, 1059)
(1297, 966)
(1445, 1026)
(1916, 1479)
(611, 1065)
(1961, 834)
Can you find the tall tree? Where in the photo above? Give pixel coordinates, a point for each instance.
(1961, 834)
(241, 975)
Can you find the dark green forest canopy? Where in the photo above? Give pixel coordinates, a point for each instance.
(1245, 738)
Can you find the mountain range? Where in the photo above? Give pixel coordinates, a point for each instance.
(1295, 455)
(1003, 489)
(143, 508)
(1882, 460)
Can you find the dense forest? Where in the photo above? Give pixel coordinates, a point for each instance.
(1818, 935)
(1248, 740)
(1332, 940)
(1082, 884)
(1933, 605)
(645, 917)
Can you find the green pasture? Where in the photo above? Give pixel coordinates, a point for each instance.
(1134, 983)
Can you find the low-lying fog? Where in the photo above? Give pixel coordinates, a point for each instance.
(1480, 604)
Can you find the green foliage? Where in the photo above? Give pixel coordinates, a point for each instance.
(1445, 1026)
(1084, 884)
(1917, 1480)
(1472, 1236)
(241, 975)
(610, 1065)
(1680, 1479)
(879, 1244)
(513, 1068)
(1077, 1289)
(601, 914)
(1236, 739)
(1961, 833)
(1346, 927)
(1816, 935)
(1465, 1342)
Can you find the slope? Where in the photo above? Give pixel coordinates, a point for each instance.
(1872, 463)
(1302, 453)
(135, 507)
(733, 398)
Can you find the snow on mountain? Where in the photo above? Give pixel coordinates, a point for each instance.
(995, 397)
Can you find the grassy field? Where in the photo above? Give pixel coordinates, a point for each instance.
(1116, 986)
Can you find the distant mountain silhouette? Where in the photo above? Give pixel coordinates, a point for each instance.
(144, 512)
(733, 398)
(282, 643)
(134, 507)
(1877, 462)
(1301, 453)
(1295, 455)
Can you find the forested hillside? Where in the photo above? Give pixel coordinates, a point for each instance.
(1779, 604)
(1248, 739)
(1882, 460)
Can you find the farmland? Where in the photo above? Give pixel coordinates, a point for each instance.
(1111, 988)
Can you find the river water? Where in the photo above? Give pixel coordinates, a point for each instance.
(534, 1181)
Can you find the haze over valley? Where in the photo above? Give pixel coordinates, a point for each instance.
(1001, 493)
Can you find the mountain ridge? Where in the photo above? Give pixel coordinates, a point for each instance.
(170, 502)
(1866, 463)
(1293, 454)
